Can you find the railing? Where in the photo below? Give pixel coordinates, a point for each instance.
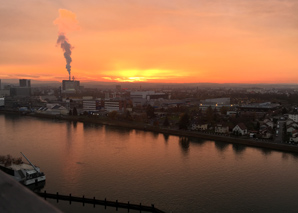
(94, 201)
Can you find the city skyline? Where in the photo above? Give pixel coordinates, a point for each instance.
(151, 41)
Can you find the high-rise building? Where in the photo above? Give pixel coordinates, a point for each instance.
(25, 83)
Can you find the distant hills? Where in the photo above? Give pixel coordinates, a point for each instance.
(147, 85)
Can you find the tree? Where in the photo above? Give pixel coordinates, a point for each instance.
(150, 111)
(155, 123)
(223, 110)
(113, 114)
(128, 116)
(215, 117)
(166, 122)
(284, 110)
(184, 121)
(74, 111)
(209, 114)
(258, 126)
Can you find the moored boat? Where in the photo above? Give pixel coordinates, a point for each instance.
(25, 173)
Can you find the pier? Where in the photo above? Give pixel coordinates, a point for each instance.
(105, 202)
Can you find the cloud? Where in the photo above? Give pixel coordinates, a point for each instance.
(67, 21)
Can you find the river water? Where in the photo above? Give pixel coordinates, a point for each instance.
(175, 174)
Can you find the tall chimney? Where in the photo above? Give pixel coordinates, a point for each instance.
(69, 76)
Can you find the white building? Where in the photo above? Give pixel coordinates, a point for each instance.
(293, 117)
(53, 109)
(240, 129)
(89, 105)
(201, 127)
(140, 94)
(221, 129)
(112, 106)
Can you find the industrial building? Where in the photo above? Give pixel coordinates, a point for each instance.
(70, 86)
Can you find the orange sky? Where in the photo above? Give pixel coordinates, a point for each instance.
(178, 41)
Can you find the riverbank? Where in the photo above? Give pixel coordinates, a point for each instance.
(167, 131)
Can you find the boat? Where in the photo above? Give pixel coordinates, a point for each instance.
(24, 173)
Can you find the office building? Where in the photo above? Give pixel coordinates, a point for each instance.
(25, 83)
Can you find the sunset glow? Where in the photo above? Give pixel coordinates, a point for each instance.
(152, 41)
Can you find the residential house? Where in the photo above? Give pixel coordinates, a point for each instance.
(219, 128)
(269, 124)
(293, 117)
(294, 137)
(240, 129)
(290, 129)
(266, 133)
(289, 122)
(201, 127)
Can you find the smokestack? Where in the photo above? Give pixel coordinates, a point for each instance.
(69, 76)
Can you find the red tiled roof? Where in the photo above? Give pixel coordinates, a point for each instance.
(242, 126)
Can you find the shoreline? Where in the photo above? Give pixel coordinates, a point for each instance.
(181, 133)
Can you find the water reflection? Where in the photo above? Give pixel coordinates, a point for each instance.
(141, 133)
(12, 117)
(90, 126)
(166, 137)
(113, 129)
(69, 133)
(197, 141)
(221, 146)
(155, 135)
(287, 156)
(75, 124)
(238, 148)
(184, 143)
(295, 155)
(130, 166)
(266, 152)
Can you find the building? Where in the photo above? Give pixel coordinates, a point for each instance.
(115, 105)
(20, 91)
(201, 127)
(4, 92)
(112, 106)
(140, 98)
(259, 107)
(2, 102)
(222, 101)
(24, 89)
(91, 105)
(69, 86)
(25, 83)
(240, 129)
(221, 129)
(293, 117)
(53, 109)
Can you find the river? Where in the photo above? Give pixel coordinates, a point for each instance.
(175, 174)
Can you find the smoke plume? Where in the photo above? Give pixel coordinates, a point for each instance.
(66, 22)
(66, 47)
